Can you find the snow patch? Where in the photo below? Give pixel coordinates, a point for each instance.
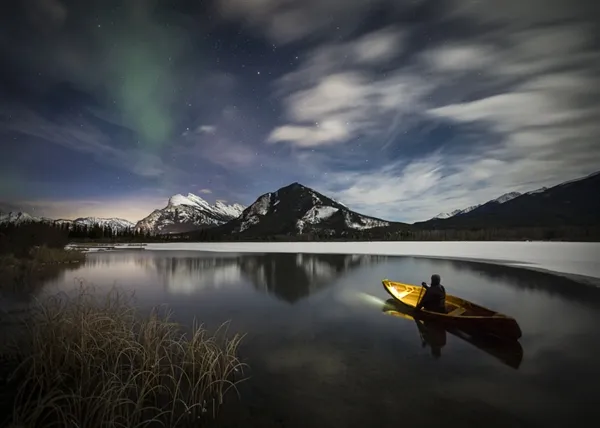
(541, 190)
(319, 213)
(261, 206)
(507, 197)
(364, 222)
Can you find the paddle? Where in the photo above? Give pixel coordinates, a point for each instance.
(419, 298)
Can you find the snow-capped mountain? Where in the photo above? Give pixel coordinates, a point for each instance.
(116, 224)
(186, 213)
(499, 200)
(296, 209)
(18, 218)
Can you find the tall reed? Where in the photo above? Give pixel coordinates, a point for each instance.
(86, 361)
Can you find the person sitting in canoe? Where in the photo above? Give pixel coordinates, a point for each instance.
(435, 296)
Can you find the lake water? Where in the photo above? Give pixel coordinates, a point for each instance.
(322, 352)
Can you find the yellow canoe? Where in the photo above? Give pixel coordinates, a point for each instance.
(461, 313)
(509, 352)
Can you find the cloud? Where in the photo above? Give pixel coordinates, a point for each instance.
(205, 191)
(285, 21)
(459, 57)
(209, 129)
(337, 94)
(83, 134)
(202, 129)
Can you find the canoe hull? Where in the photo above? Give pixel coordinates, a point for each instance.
(461, 313)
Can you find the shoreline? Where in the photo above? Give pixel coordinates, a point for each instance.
(576, 260)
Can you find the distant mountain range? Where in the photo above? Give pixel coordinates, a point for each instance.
(115, 224)
(500, 200)
(572, 203)
(298, 210)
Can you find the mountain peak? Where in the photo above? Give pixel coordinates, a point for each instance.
(293, 186)
(190, 200)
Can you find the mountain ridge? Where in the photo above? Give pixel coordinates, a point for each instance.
(299, 210)
(114, 223)
(500, 200)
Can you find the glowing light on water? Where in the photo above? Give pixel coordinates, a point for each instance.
(370, 299)
(357, 298)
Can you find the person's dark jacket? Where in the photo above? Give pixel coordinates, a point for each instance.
(434, 299)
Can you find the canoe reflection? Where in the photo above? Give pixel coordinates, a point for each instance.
(433, 333)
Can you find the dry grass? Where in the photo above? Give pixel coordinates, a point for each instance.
(44, 255)
(86, 362)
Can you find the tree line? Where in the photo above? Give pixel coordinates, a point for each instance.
(561, 233)
(19, 239)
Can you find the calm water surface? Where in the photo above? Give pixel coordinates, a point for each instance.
(323, 353)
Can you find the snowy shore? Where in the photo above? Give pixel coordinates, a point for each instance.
(571, 258)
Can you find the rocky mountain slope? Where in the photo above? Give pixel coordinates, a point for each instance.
(186, 213)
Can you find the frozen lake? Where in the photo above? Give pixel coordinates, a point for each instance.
(573, 258)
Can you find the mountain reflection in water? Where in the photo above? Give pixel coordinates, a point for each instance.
(288, 277)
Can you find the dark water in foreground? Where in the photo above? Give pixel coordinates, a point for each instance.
(323, 354)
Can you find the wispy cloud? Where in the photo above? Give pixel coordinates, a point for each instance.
(337, 94)
(288, 21)
(205, 191)
(79, 133)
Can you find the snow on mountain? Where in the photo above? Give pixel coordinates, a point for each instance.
(499, 200)
(360, 222)
(541, 190)
(506, 197)
(17, 218)
(186, 213)
(296, 209)
(113, 223)
(442, 216)
(116, 224)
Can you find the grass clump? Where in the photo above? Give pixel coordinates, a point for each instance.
(90, 362)
(41, 255)
(45, 255)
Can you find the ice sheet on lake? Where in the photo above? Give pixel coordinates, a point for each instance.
(575, 258)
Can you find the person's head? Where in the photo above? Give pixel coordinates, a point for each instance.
(435, 279)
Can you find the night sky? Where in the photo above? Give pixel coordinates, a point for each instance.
(399, 109)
